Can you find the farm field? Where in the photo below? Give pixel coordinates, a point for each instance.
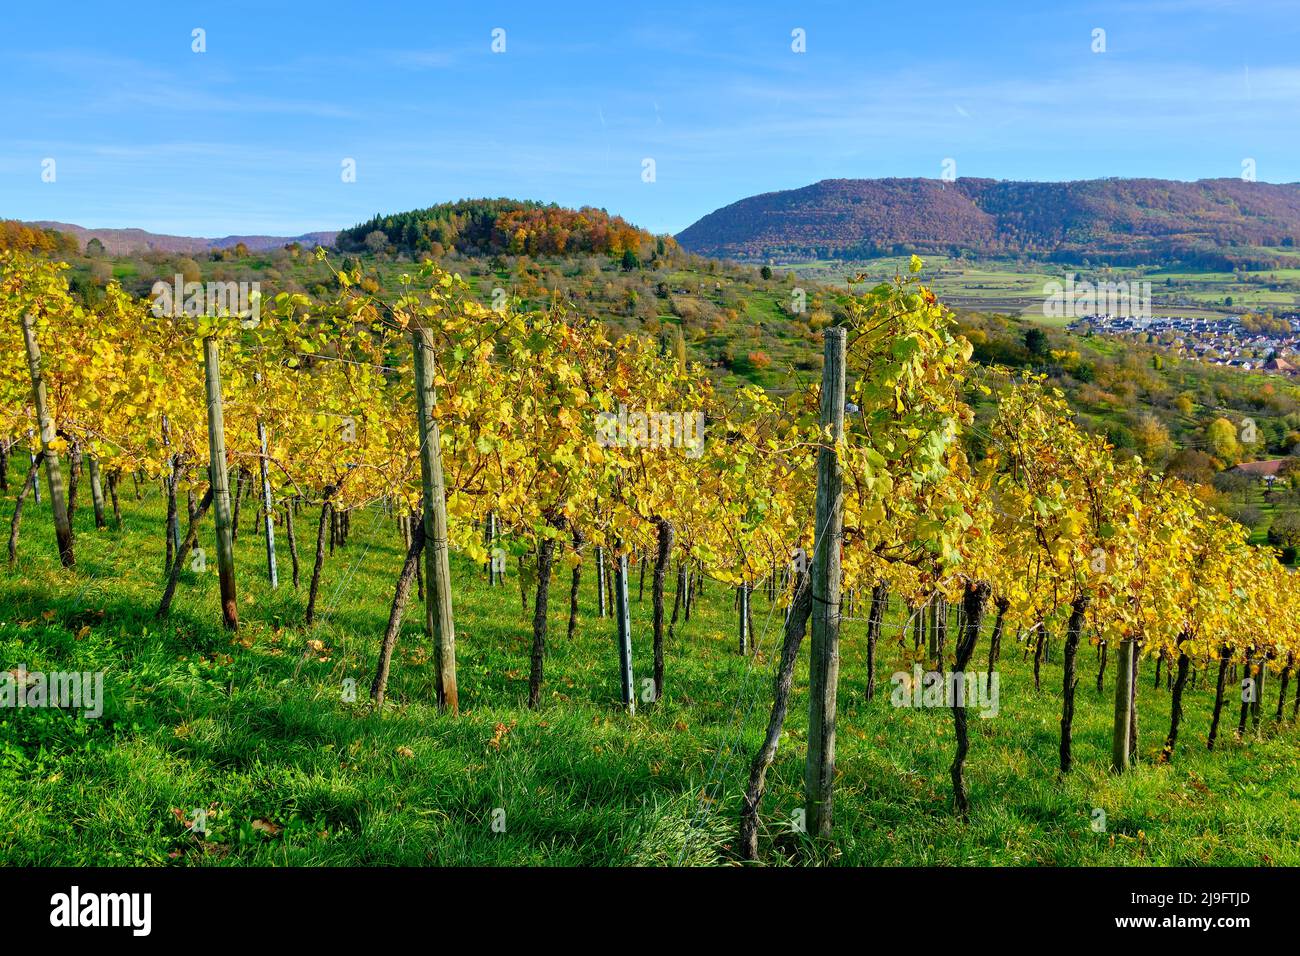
(1017, 288)
(254, 730)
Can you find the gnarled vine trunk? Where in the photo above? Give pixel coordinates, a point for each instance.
(796, 625)
(322, 529)
(578, 542)
(973, 604)
(1224, 654)
(293, 541)
(545, 557)
(183, 553)
(1072, 632)
(113, 478)
(1176, 702)
(663, 550)
(15, 522)
(995, 641)
(1281, 693)
(400, 597)
(875, 619)
(1245, 702)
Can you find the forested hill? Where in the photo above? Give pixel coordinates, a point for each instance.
(490, 226)
(1211, 222)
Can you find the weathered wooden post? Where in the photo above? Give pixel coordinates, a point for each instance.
(498, 554)
(268, 509)
(1119, 750)
(623, 611)
(600, 582)
(824, 663)
(96, 490)
(45, 421)
(663, 550)
(609, 584)
(691, 584)
(933, 608)
(438, 613)
(220, 483)
(743, 605)
(490, 542)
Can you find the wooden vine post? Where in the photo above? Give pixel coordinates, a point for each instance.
(742, 603)
(824, 664)
(268, 507)
(601, 610)
(1120, 751)
(45, 421)
(437, 568)
(220, 479)
(495, 564)
(96, 491)
(663, 550)
(624, 615)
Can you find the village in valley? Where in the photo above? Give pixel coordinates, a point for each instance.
(1260, 343)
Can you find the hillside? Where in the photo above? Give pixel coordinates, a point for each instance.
(748, 325)
(1212, 223)
(491, 226)
(743, 324)
(126, 241)
(191, 710)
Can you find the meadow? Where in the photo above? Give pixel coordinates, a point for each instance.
(256, 730)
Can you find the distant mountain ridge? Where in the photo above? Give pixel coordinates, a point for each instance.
(1119, 221)
(125, 241)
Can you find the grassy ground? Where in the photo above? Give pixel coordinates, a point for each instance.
(255, 731)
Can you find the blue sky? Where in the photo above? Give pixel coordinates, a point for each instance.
(249, 137)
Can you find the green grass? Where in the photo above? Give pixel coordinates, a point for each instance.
(254, 729)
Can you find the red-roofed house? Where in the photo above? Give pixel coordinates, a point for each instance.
(1262, 470)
